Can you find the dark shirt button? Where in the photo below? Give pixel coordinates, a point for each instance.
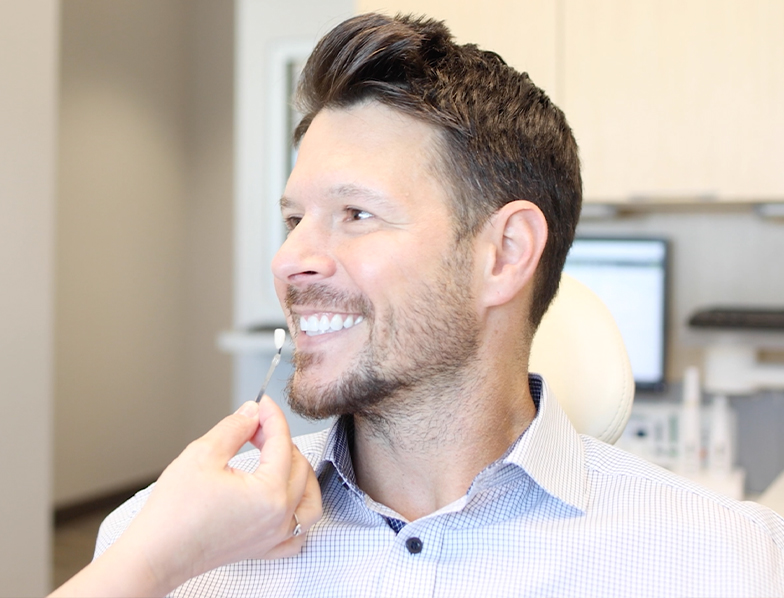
(414, 545)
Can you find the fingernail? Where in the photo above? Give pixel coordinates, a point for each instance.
(248, 409)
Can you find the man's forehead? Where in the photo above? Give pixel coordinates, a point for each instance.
(368, 150)
(372, 119)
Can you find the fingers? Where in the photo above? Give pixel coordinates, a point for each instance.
(304, 499)
(306, 492)
(309, 509)
(299, 474)
(301, 480)
(273, 440)
(228, 436)
(290, 547)
(272, 422)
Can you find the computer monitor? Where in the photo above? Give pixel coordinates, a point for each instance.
(630, 276)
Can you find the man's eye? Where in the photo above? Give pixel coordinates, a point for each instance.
(291, 222)
(357, 214)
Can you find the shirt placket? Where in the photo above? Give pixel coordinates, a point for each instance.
(412, 562)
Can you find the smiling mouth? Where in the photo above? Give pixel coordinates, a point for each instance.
(316, 325)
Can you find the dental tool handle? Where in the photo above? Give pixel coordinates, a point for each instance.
(273, 365)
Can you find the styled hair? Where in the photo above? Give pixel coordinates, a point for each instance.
(500, 137)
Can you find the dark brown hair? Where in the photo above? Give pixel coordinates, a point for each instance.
(501, 138)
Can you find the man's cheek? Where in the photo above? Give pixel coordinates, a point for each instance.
(384, 275)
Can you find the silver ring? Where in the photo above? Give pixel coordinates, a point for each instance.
(297, 527)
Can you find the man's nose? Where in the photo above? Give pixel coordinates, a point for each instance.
(304, 257)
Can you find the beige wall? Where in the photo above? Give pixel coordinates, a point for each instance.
(144, 237)
(137, 252)
(28, 108)
(209, 212)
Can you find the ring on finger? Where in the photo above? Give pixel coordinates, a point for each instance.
(297, 527)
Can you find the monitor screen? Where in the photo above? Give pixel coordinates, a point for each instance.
(630, 276)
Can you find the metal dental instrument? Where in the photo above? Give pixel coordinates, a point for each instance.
(280, 337)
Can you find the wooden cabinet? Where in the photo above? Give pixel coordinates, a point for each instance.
(673, 98)
(669, 99)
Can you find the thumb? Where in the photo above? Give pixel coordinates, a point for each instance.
(228, 436)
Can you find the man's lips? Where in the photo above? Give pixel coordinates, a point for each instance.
(317, 323)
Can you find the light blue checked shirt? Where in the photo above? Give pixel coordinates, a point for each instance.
(559, 515)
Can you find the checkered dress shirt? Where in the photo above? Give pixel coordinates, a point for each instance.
(560, 514)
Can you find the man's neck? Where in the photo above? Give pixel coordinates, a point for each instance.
(425, 455)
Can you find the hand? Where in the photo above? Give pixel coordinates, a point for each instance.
(224, 515)
(203, 514)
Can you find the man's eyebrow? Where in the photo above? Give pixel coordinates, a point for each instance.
(285, 202)
(345, 191)
(351, 190)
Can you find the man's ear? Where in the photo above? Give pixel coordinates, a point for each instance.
(514, 239)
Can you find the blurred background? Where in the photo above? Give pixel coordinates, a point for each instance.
(142, 147)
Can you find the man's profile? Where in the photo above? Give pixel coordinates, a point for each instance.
(433, 202)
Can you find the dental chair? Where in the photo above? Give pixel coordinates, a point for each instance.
(579, 351)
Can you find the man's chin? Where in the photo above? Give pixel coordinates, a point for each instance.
(310, 407)
(352, 395)
(312, 400)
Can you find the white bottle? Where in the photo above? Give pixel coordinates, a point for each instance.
(689, 428)
(720, 451)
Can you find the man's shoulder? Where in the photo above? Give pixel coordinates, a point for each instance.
(632, 482)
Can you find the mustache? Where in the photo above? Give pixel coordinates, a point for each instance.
(330, 299)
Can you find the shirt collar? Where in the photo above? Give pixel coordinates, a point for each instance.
(337, 452)
(551, 451)
(550, 433)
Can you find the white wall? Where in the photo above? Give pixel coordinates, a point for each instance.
(28, 108)
(265, 26)
(269, 35)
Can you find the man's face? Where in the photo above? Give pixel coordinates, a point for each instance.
(378, 295)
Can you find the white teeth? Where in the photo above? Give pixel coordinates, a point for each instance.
(315, 325)
(336, 323)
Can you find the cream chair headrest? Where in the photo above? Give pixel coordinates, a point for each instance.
(579, 351)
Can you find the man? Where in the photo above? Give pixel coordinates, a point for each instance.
(433, 202)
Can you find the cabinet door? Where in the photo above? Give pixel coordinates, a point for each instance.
(676, 98)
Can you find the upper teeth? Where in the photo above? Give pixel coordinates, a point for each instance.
(314, 325)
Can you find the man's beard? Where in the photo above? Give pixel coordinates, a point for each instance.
(423, 345)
